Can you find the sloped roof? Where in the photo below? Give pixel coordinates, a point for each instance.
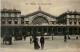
(10, 11)
(70, 13)
(40, 11)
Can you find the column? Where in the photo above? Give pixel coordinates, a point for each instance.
(72, 30)
(57, 30)
(20, 30)
(13, 31)
(47, 30)
(62, 30)
(68, 30)
(19, 21)
(68, 21)
(72, 22)
(37, 29)
(77, 22)
(6, 30)
(42, 29)
(52, 29)
(6, 21)
(32, 31)
(12, 21)
(77, 30)
(26, 31)
(52, 33)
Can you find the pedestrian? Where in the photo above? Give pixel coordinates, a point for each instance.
(4, 39)
(76, 37)
(30, 40)
(52, 36)
(24, 37)
(65, 38)
(42, 42)
(10, 39)
(36, 45)
(68, 37)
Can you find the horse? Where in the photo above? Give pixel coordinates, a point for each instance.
(6, 39)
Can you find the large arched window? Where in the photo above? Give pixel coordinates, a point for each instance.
(40, 20)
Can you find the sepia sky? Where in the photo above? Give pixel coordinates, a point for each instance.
(54, 7)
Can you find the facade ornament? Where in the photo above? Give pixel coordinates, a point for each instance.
(39, 8)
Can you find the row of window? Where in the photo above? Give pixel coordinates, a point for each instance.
(16, 22)
(9, 22)
(74, 23)
(10, 15)
(74, 20)
(73, 16)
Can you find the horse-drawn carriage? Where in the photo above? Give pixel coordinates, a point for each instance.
(6, 40)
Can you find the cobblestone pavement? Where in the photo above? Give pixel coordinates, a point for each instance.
(56, 45)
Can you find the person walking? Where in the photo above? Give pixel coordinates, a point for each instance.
(42, 42)
(10, 39)
(68, 37)
(24, 37)
(30, 40)
(65, 38)
(76, 37)
(36, 45)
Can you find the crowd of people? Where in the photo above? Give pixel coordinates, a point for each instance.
(34, 39)
(68, 37)
(36, 45)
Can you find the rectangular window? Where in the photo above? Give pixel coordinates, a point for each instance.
(22, 22)
(9, 22)
(70, 23)
(12, 15)
(74, 22)
(15, 22)
(15, 15)
(9, 14)
(79, 23)
(27, 22)
(52, 22)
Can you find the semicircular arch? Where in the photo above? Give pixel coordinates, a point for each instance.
(40, 20)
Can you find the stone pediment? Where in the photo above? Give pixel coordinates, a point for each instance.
(40, 12)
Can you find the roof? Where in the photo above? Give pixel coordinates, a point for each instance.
(39, 11)
(70, 13)
(10, 11)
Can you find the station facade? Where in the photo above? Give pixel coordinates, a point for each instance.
(39, 22)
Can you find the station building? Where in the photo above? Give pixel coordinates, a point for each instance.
(39, 22)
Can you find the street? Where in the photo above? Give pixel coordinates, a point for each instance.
(56, 45)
